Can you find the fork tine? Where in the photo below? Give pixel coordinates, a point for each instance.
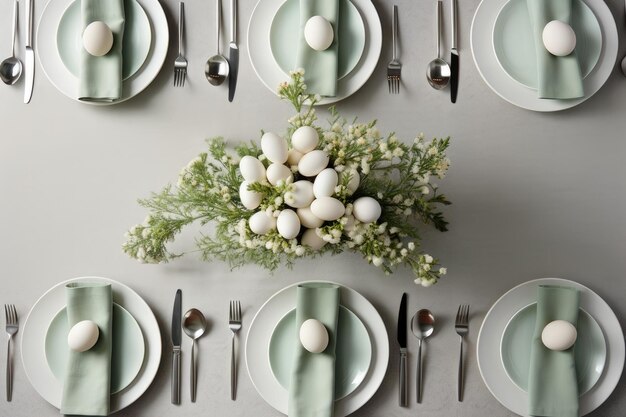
(238, 310)
(466, 317)
(6, 313)
(175, 77)
(458, 314)
(230, 311)
(15, 320)
(184, 77)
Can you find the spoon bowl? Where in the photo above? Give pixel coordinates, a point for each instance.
(624, 65)
(422, 326)
(194, 325)
(10, 70)
(216, 69)
(438, 73)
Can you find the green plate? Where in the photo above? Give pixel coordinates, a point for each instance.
(514, 44)
(285, 29)
(136, 41)
(589, 350)
(126, 357)
(353, 351)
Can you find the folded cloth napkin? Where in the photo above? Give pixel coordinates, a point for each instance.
(559, 77)
(320, 67)
(312, 387)
(552, 382)
(86, 388)
(101, 76)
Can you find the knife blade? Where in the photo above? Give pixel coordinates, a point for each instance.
(177, 314)
(454, 56)
(29, 57)
(401, 335)
(233, 54)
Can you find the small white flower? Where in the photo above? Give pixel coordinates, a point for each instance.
(411, 246)
(377, 261)
(299, 251)
(443, 271)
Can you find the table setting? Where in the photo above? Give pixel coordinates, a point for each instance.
(313, 208)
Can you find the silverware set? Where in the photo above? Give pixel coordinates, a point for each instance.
(422, 327)
(12, 326)
(11, 69)
(180, 64)
(394, 68)
(194, 324)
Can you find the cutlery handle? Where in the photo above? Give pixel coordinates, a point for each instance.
(29, 23)
(404, 391)
(394, 31)
(439, 13)
(194, 372)
(176, 376)
(233, 21)
(9, 371)
(15, 11)
(418, 374)
(459, 386)
(454, 24)
(218, 21)
(181, 26)
(233, 370)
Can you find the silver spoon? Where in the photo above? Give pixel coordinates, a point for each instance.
(422, 326)
(438, 70)
(194, 325)
(11, 68)
(216, 68)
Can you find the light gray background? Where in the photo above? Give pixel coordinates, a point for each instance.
(534, 195)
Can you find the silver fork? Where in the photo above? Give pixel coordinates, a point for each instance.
(394, 67)
(234, 323)
(12, 326)
(180, 64)
(461, 326)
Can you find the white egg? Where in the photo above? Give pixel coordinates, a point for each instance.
(354, 182)
(83, 336)
(261, 223)
(366, 209)
(559, 38)
(313, 336)
(252, 170)
(313, 163)
(308, 219)
(288, 224)
(249, 199)
(325, 183)
(559, 335)
(277, 172)
(318, 33)
(305, 139)
(327, 208)
(301, 196)
(312, 240)
(274, 147)
(293, 157)
(97, 38)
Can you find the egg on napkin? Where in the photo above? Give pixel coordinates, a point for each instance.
(98, 38)
(83, 336)
(318, 33)
(559, 335)
(559, 38)
(313, 336)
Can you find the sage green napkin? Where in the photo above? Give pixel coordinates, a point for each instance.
(312, 387)
(320, 67)
(552, 382)
(101, 76)
(559, 77)
(86, 388)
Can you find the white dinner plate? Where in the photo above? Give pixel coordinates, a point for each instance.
(274, 309)
(496, 320)
(270, 73)
(67, 83)
(34, 335)
(515, 93)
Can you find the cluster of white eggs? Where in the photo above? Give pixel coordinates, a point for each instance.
(312, 199)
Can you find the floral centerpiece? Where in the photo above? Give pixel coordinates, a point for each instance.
(321, 190)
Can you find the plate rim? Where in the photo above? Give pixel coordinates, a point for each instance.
(369, 345)
(380, 349)
(520, 96)
(152, 344)
(615, 348)
(350, 84)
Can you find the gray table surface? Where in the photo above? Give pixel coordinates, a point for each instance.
(534, 195)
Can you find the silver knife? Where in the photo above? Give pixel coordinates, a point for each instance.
(29, 57)
(401, 334)
(233, 55)
(176, 339)
(454, 56)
